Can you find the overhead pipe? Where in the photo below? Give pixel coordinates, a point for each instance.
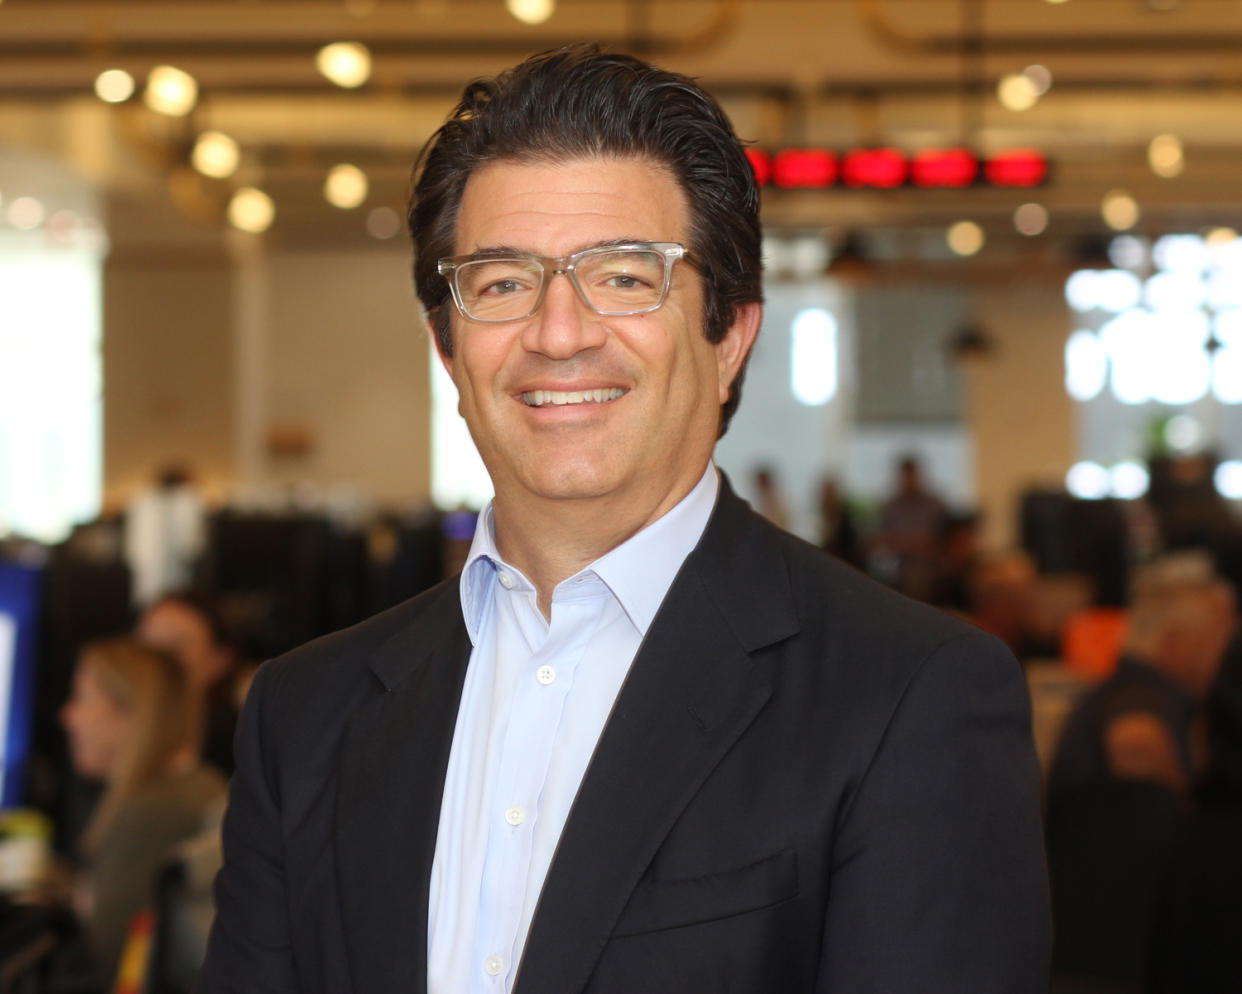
(881, 25)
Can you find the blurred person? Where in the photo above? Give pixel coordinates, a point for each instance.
(1120, 785)
(1001, 593)
(1201, 914)
(1145, 721)
(132, 724)
(165, 532)
(838, 533)
(645, 741)
(188, 625)
(957, 558)
(910, 522)
(770, 501)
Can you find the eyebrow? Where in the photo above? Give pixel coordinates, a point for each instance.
(490, 251)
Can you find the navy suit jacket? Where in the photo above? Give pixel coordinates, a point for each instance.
(807, 784)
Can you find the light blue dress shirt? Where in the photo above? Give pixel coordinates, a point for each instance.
(536, 696)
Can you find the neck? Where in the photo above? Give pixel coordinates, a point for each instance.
(552, 540)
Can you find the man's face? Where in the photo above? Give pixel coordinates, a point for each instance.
(647, 388)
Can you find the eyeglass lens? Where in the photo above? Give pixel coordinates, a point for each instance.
(624, 281)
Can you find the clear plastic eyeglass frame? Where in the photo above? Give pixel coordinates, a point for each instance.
(545, 267)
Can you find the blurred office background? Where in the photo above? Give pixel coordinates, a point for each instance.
(1001, 245)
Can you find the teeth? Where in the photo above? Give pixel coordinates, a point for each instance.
(538, 398)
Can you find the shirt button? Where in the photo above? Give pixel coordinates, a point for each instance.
(515, 815)
(506, 580)
(493, 965)
(545, 675)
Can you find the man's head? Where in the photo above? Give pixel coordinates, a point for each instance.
(581, 104)
(1181, 625)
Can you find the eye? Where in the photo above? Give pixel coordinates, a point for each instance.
(499, 288)
(625, 281)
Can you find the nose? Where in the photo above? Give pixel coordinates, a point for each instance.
(564, 325)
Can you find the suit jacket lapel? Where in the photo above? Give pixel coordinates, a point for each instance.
(691, 692)
(393, 763)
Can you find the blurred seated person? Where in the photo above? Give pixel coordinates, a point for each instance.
(132, 723)
(1197, 945)
(1142, 722)
(1119, 790)
(189, 627)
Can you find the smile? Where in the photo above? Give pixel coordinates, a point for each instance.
(557, 398)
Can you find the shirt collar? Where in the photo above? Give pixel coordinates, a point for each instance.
(639, 571)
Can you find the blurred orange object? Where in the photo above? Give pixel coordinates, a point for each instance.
(132, 974)
(1091, 641)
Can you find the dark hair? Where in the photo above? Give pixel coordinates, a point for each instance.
(579, 102)
(206, 607)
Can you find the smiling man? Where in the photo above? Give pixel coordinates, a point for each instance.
(645, 742)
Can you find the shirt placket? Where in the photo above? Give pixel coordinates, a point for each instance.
(527, 752)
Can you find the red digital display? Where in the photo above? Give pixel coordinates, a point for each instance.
(950, 167)
(888, 168)
(882, 168)
(804, 168)
(1023, 167)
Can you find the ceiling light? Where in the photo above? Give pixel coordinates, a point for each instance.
(251, 210)
(1128, 480)
(965, 237)
(26, 213)
(215, 154)
(1088, 481)
(383, 223)
(1031, 219)
(171, 91)
(345, 63)
(114, 86)
(1017, 92)
(531, 11)
(1127, 252)
(1120, 210)
(1228, 479)
(346, 186)
(1040, 77)
(1183, 433)
(1165, 156)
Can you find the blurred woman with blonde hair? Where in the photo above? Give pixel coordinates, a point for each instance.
(133, 723)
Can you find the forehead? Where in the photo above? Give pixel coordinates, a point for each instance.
(555, 208)
(174, 619)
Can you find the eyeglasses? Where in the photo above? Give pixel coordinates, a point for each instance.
(613, 280)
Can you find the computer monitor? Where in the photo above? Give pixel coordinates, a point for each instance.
(20, 597)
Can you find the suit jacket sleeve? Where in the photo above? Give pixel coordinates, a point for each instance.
(938, 882)
(250, 946)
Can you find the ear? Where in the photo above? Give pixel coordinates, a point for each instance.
(432, 321)
(732, 350)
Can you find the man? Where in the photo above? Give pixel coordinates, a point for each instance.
(646, 741)
(1140, 723)
(1120, 783)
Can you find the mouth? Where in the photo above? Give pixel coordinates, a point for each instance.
(562, 398)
